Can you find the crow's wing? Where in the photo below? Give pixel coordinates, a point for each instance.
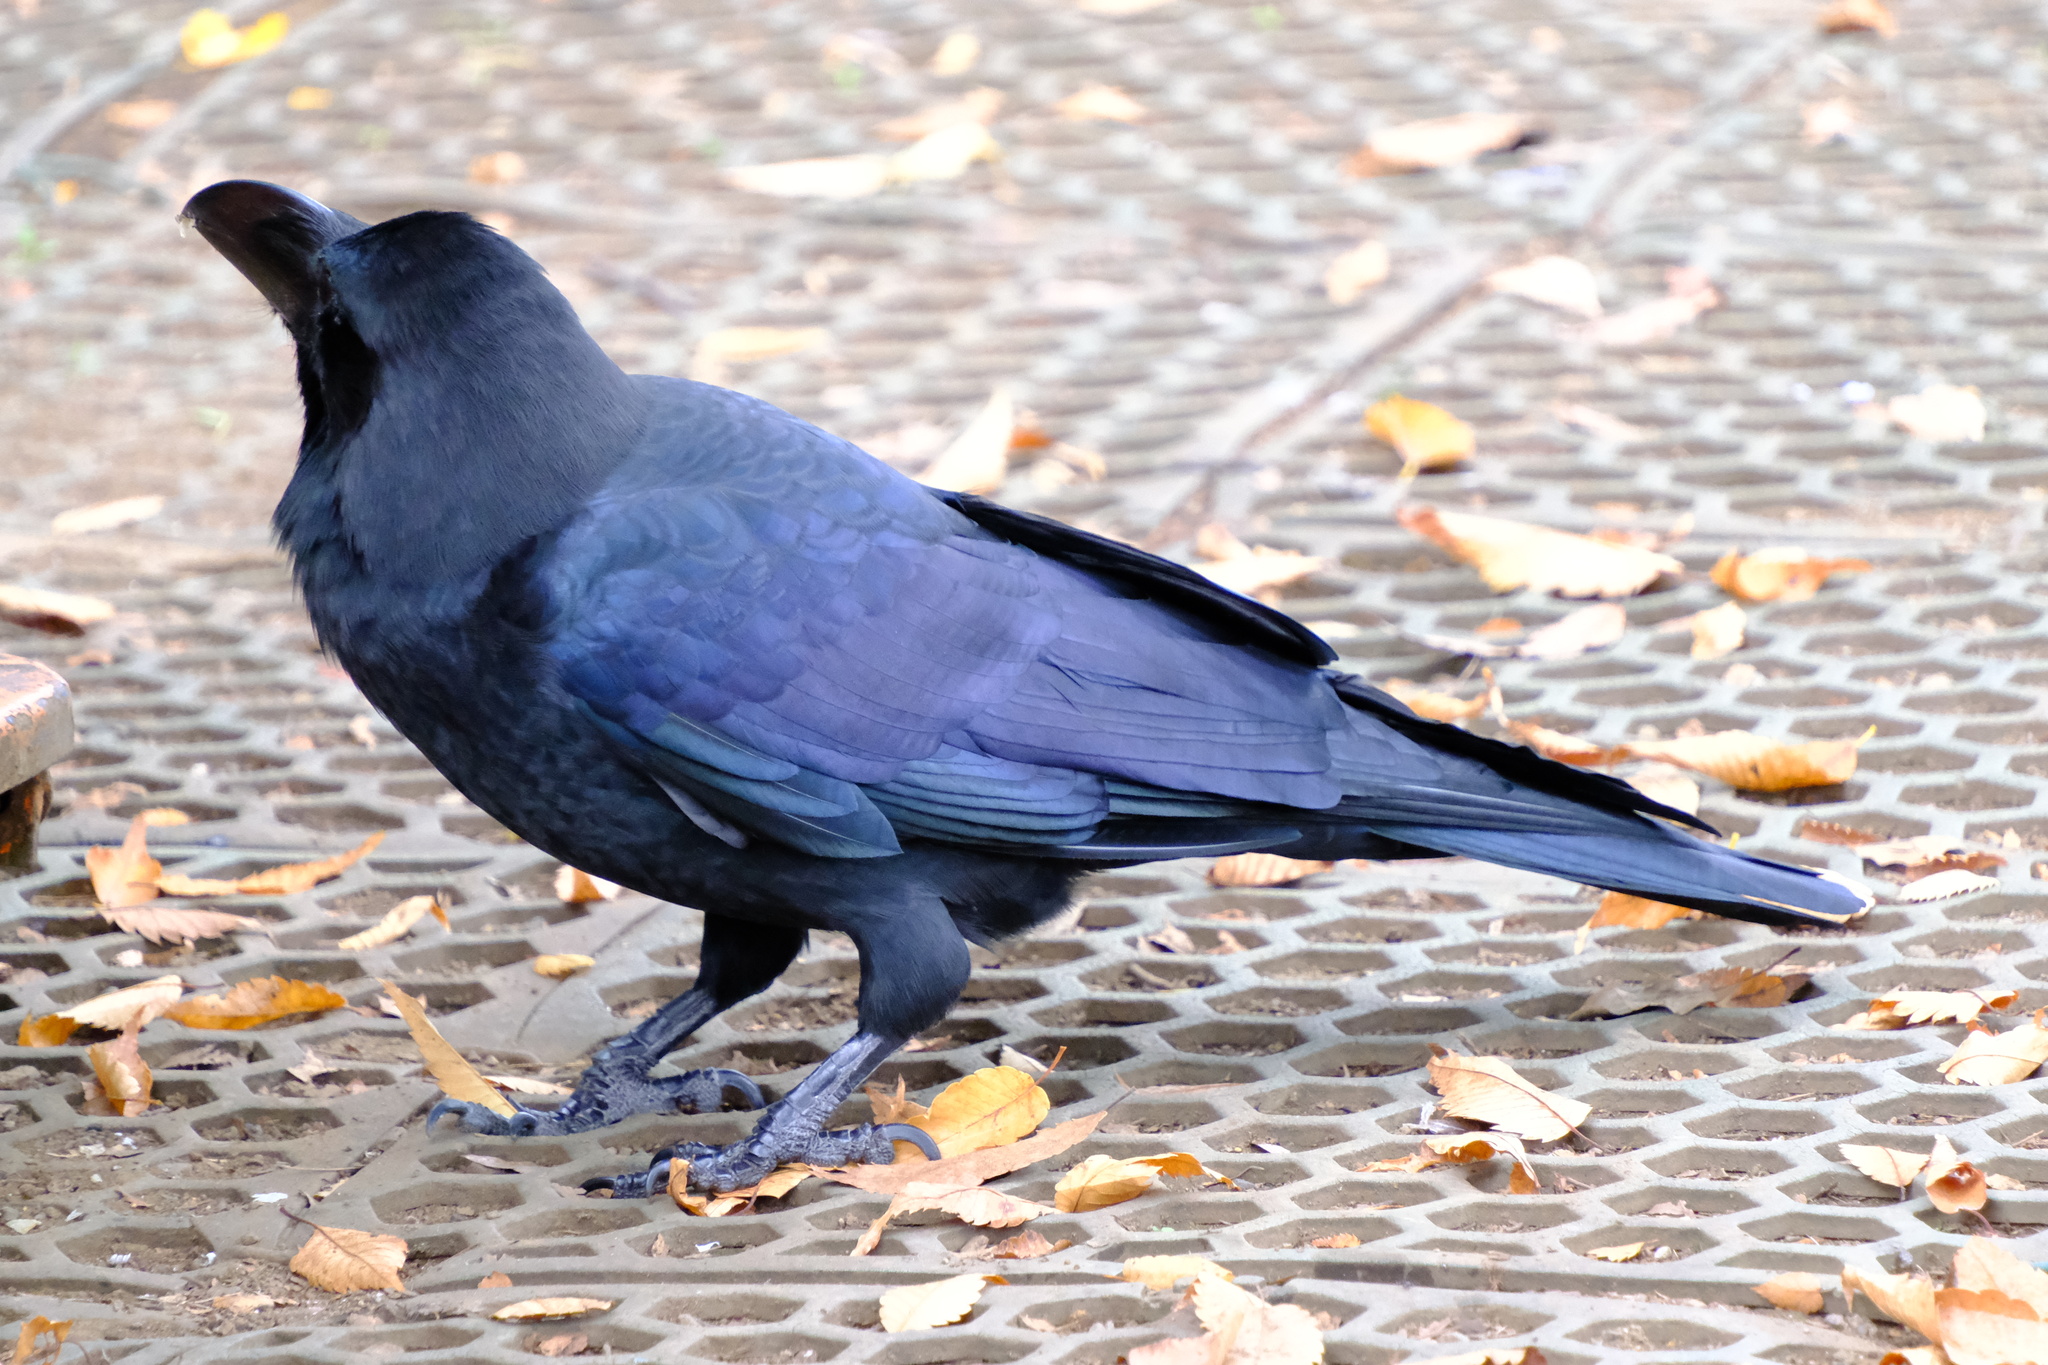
(806, 645)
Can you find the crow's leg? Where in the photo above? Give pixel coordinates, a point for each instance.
(738, 959)
(913, 964)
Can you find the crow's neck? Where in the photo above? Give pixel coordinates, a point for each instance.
(419, 472)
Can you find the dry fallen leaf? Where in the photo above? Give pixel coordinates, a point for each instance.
(1101, 102)
(1618, 909)
(396, 924)
(960, 1172)
(1100, 1181)
(1903, 1298)
(62, 613)
(34, 1329)
(1512, 554)
(307, 98)
(241, 1305)
(126, 875)
(1432, 705)
(527, 1085)
(1798, 1290)
(116, 1011)
(974, 1204)
(1262, 869)
(956, 55)
(978, 458)
(1429, 144)
(915, 1307)
(1426, 436)
(1954, 1184)
(175, 924)
(284, 880)
(341, 1260)
(1987, 1058)
(1940, 413)
(1956, 881)
(1725, 987)
(1246, 1330)
(1558, 281)
(992, 1107)
(449, 1068)
(1687, 294)
(711, 362)
(1488, 1090)
(1164, 1272)
(1251, 569)
(1985, 1327)
(1825, 120)
(1782, 573)
(1749, 762)
(1356, 271)
(1903, 1008)
(1982, 1264)
(562, 966)
(823, 177)
(575, 887)
(1336, 1241)
(976, 106)
(943, 155)
(104, 516)
(1626, 1252)
(210, 39)
(256, 1001)
(1857, 16)
(1885, 1165)
(124, 1078)
(1027, 1245)
(1718, 630)
(540, 1310)
(1576, 632)
(1663, 783)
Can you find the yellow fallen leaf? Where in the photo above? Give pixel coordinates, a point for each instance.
(538, 1310)
(45, 1030)
(1336, 1241)
(562, 966)
(993, 1107)
(1488, 1090)
(1251, 1331)
(982, 1207)
(1510, 555)
(1432, 143)
(976, 106)
(1987, 1058)
(306, 99)
(710, 363)
(1885, 1165)
(979, 457)
(1250, 569)
(1857, 16)
(118, 1010)
(1432, 705)
(256, 1001)
(1908, 1299)
(103, 516)
(1782, 573)
(177, 924)
(1558, 281)
(210, 39)
(957, 54)
(497, 168)
(1262, 869)
(1985, 1327)
(449, 1068)
(65, 613)
(1101, 102)
(915, 1307)
(1426, 436)
(823, 177)
(284, 880)
(896, 1108)
(33, 1330)
(1940, 413)
(1027, 1245)
(1687, 294)
(341, 1260)
(1620, 910)
(1983, 1264)
(1663, 783)
(1825, 120)
(241, 1305)
(396, 924)
(574, 887)
(944, 154)
(1587, 628)
(1798, 1290)
(126, 875)
(959, 1172)
(1750, 762)
(1625, 1252)
(1356, 271)
(1957, 881)
(1718, 630)
(1164, 1272)
(124, 1077)
(1100, 1181)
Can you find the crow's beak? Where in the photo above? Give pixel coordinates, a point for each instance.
(271, 235)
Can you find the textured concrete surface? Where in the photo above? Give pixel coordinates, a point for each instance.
(1151, 291)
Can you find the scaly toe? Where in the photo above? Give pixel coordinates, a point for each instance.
(705, 1091)
(478, 1119)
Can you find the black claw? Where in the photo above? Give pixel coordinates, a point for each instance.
(740, 1081)
(904, 1132)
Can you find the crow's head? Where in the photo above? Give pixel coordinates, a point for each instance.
(445, 378)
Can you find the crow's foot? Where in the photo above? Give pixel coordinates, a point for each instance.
(716, 1170)
(609, 1090)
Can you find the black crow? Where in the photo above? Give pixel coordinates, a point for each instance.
(680, 639)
